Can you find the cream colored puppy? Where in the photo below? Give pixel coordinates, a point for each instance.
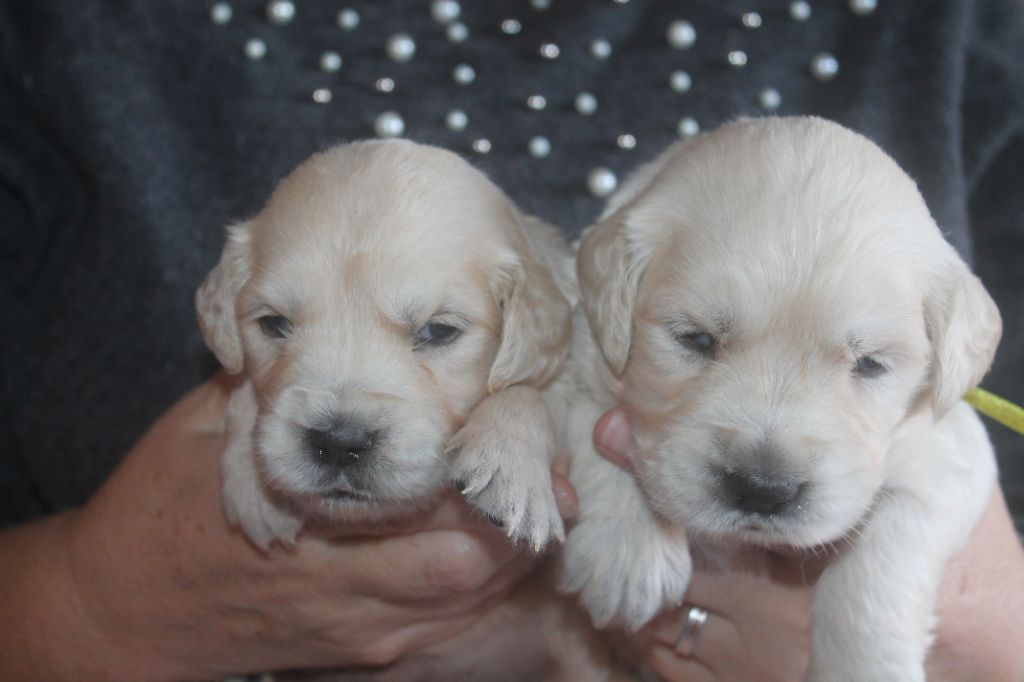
(791, 336)
(392, 315)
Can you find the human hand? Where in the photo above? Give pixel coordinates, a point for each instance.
(758, 624)
(148, 581)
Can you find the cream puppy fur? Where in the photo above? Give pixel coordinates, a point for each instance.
(392, 316)
(791, 335)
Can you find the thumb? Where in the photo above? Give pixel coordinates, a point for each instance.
(613, 437)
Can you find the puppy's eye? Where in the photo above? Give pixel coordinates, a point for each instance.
(436, 334)
(275, 326)
(702, 343)
(867, 367)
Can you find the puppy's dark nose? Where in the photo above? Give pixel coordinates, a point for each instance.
(343, 443)
(754, 493)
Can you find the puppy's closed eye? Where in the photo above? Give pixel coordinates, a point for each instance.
(436, 334)
(699, 342)
(867, 367)
(275, 326)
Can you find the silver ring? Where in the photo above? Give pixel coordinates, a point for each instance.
(696, 619)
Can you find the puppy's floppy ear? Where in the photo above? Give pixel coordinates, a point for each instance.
(964, 326)
(610, 265)
(215, 299)
(536, 318)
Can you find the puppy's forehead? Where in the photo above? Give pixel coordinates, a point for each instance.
(761, 215)
(393, 195)
(802, 180)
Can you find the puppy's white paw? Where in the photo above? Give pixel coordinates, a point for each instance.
(506, 475)
(259, 518)
(624, 571)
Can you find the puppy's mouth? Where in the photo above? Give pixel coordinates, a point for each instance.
(348, 495)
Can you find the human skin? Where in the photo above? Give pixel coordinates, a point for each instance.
(148, 582)
(759, 627)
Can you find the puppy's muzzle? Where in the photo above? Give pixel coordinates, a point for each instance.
(752, 492)
(342, 444)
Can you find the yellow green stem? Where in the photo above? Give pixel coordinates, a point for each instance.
(1000, 409)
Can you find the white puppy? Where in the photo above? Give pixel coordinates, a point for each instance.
(791, 336)
(393, 316)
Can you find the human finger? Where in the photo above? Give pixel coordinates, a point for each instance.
(449, 511)
(670, 667)
(565, 496)
(717, 645)
(613, 438)
(425, 565)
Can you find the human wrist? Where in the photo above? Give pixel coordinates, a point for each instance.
(126, 606)
(46, 632)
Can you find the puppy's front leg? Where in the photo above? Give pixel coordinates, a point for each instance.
(246, 504)
(626, 564)
(874, 608)
(503, 463)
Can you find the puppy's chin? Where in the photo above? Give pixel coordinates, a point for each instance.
(680, 483)
(359, 507)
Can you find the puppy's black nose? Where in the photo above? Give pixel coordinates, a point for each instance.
(754, 493)
(341, 444)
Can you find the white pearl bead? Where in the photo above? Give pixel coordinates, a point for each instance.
(463, 74)
(540, 5)
(626, 141)
(688, 127)
(221, 13)
(863, 7)
(511, 27)
(737, 58)
(800, 10)
(384, 85)
(456, 120)
(482, 146)
(770, 99)
(401, 47)
(824, 66)
(539, 146)
(445, 11)
(457, 32)
(751, 20)
(330, 62)
(536, 102)
(389, 124)
(586, 103)
(255, 49)
(348, 19)
(601, 182)
(281, 12)
(601, 49)
(322, 95)
(549, 51)
(681, 35)
(680, 81)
